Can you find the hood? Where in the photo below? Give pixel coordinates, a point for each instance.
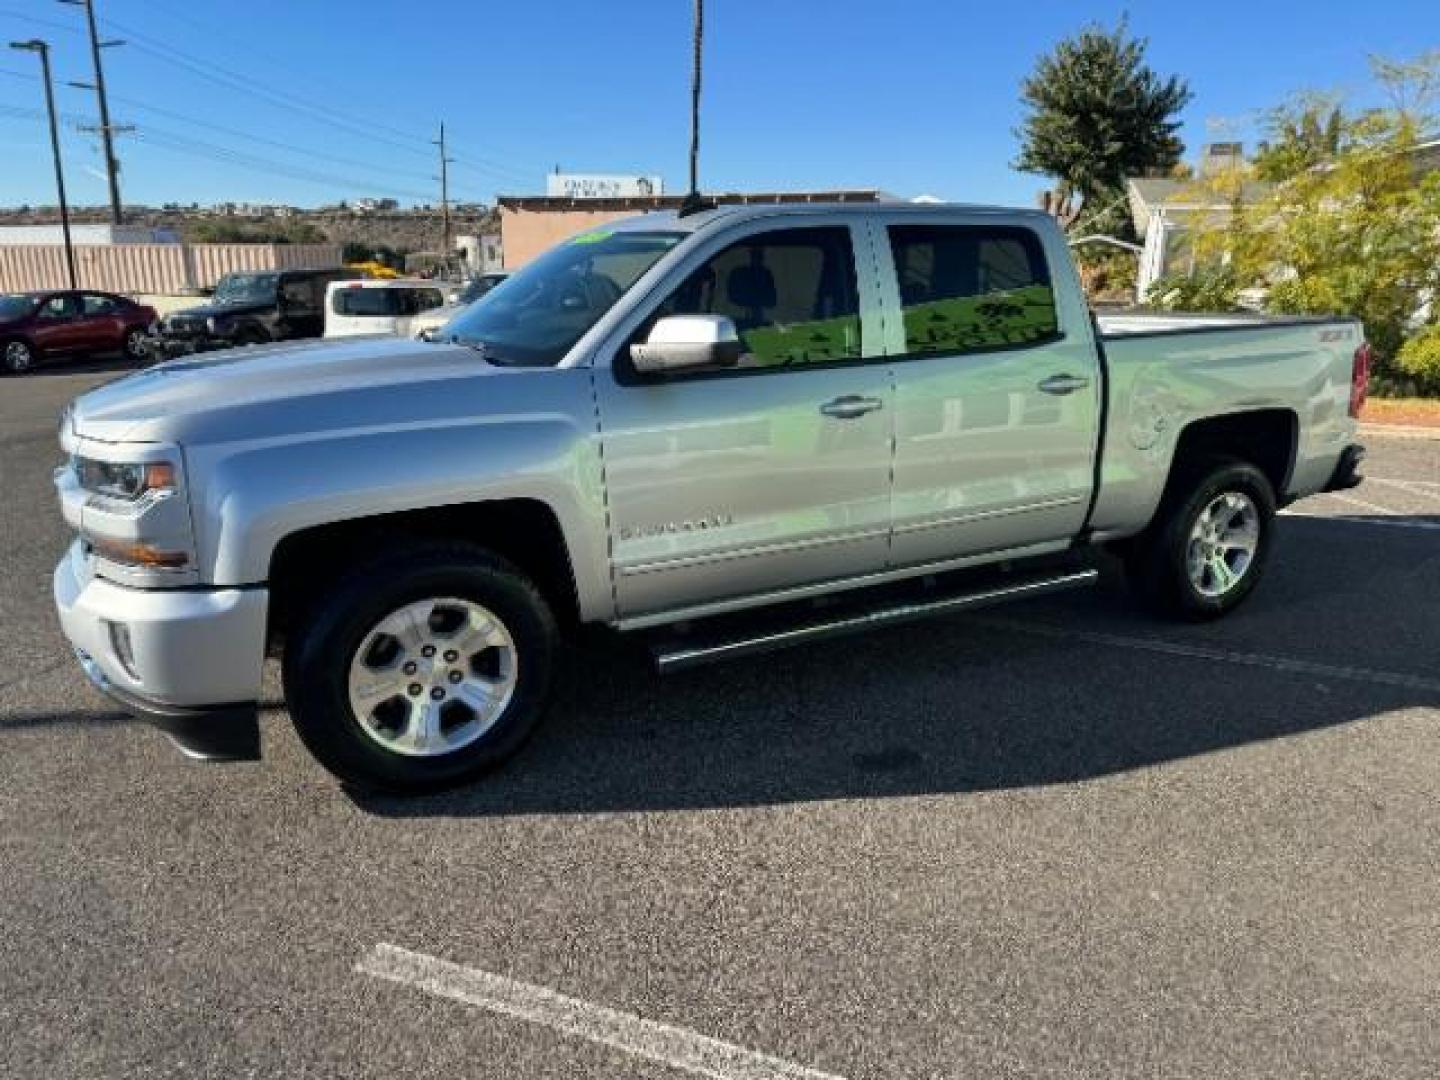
(320, 383)
(205, 311)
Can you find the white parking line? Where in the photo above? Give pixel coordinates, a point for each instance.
(1391, 521)
(1423, 488)
(1351, 500)
(669, 1045)
(1402, 483)
(1202, 652)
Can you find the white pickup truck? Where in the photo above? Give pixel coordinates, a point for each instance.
(730, 430)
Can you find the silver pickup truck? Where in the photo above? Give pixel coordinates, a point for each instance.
(727, 430)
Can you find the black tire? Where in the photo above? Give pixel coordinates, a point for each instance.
(252, 335)
(17, 356)
(325, 638)
(1158, 561)
(134, 346)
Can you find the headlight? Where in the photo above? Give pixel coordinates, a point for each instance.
(128, 481)
(135, 517)
(212, 324)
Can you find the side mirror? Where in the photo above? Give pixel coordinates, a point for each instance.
(687, 342)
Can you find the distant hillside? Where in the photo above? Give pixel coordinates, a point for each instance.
(400, 230)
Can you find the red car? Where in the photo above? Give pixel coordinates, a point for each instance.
(37, 326)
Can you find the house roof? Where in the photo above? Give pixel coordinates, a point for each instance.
(1151, 193)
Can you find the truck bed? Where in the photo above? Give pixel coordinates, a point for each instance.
(1127, 323)
(1165, 372)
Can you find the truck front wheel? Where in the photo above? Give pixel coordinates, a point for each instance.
(1205, 551)
(422, 670)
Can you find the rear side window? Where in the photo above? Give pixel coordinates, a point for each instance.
(366, 303)
(791, 294)
(972, 289)
(95, 304)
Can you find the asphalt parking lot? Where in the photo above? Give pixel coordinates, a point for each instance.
(1057, 839)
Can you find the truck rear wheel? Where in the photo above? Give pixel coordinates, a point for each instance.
(1206, 550)
(422, 670)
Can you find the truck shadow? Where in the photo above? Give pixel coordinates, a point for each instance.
(117, 364)
(966, 704)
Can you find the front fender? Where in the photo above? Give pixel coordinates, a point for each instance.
(253, 497)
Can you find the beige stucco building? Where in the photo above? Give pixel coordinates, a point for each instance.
(531, 224)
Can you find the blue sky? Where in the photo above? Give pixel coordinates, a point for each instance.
(911, 97)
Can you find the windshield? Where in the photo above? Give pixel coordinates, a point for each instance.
(246, 289)
(16, 307)
(533, 317)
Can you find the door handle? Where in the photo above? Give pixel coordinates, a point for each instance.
(1063, 384)
(849, 406)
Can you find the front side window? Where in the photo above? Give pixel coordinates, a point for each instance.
(791, 294)
(59, 308)
(972, 288)
(539, 312)
(299, 293)
(419, 300)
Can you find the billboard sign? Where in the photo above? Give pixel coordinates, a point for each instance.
(595, 186)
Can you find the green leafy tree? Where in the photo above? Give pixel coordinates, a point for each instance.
(1097, 114)
(1356, 233)
(1307, 132)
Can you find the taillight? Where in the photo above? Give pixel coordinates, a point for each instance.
(1360, 379)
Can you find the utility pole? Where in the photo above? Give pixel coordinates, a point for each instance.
(112, 167)
(42, 49)
(444, 179)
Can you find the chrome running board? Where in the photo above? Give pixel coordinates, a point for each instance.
(679, 655)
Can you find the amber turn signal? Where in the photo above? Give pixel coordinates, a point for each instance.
(133, 553)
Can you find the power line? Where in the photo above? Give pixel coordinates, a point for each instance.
(184, 144)
(210, 125)
(234, 80)
(287, 65)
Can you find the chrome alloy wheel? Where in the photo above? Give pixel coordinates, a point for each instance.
(433, 676)
(18, 357)
(1223, 543)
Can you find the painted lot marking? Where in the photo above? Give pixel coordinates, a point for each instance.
(1202, 652)
(1423, 488)
(1363, 504)
(676, 1047)
(1390, 521)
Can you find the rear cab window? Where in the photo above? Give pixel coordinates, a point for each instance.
(972, 288)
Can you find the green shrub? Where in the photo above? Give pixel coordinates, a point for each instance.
(1215, 289)
(1419, 357)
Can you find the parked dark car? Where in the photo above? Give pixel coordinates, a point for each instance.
(477, 287)
(251, 308)
(45, 325)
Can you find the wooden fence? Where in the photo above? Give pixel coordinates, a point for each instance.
(151, 268)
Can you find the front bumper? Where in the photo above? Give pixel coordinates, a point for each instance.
(187, 660)
(160, 347)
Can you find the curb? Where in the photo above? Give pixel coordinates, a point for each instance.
(1400, 431)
